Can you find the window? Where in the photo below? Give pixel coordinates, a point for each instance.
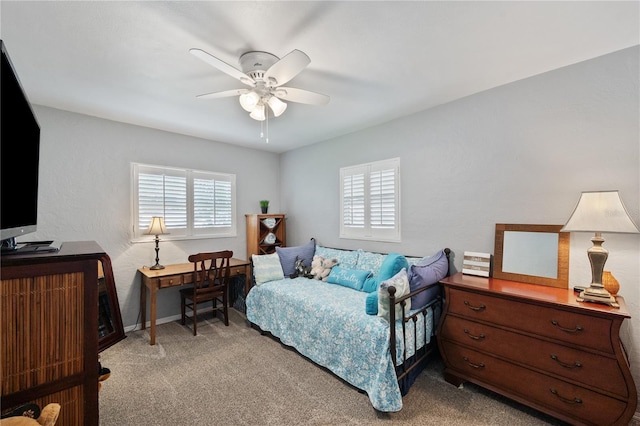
(193, 203)
(370, 201)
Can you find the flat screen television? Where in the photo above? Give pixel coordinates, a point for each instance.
(19, 158)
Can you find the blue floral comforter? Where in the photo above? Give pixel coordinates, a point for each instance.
(328, 324)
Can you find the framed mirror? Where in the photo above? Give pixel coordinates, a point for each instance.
(110, 328)
(535, 254)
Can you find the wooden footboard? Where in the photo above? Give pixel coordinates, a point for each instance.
(416, 362)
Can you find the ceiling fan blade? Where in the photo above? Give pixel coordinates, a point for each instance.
(286, 68)
(223, 66)
(225, 94)
(301, 96)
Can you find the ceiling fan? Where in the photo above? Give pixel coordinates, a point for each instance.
(265, 75)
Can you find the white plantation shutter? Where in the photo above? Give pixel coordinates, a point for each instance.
(193, 203)
(383, 204)
(370, 201)
(353, 200)
(212, 202)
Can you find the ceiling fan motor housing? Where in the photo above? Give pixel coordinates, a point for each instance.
(256, 63)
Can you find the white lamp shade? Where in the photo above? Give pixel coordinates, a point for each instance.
(258, 112)
(277, 106)
(157, 227)
(600, 211)
(248, 101)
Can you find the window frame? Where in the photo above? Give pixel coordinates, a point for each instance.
(363, 229)
(189, 231)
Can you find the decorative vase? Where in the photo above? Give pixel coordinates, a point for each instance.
(610, 283)
(264, 210)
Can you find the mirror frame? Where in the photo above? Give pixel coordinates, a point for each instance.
(562, 280)
(114, 307)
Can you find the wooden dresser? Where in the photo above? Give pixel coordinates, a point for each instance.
(537, 345)
(48, 331)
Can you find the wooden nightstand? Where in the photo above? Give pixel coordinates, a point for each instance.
(539, 346)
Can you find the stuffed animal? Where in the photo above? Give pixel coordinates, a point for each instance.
(320, 267)
(316, 267)
(48, 417)
(300, 269)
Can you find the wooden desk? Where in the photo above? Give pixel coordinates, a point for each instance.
(177, 275)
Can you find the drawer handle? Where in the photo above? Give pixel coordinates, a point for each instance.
(576, 329)
(471, 336)
(482, 307)
(576, 364)
(481, 365)
(575, 400)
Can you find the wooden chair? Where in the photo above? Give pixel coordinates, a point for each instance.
(210, 284)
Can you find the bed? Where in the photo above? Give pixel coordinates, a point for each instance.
(333, 326)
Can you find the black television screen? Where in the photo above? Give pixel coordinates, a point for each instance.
(19, 156)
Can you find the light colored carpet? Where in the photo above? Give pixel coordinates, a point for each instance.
(235, 376)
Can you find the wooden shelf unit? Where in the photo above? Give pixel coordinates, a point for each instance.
(48, 338)
(539, 346)
(257, 231)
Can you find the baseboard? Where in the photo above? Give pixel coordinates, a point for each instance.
(158, 322)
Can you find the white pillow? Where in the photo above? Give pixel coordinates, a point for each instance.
(266, 267)
(401, 282)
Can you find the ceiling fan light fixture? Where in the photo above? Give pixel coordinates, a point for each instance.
(258, 112)
(277, 106)
(249, 100)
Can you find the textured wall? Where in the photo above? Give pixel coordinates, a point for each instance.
(85, 193)
(520, 153)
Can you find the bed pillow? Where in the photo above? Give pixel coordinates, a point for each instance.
(428, 271)
(346, 258)
(391, 265)
(401, 282)
(266, 267)
(371, 303)
(370, 261)
(352, 278)
(289, 255)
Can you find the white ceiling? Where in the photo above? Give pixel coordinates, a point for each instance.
(129, 61)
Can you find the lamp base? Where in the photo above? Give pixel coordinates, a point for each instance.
(156, 266)
(597, 295)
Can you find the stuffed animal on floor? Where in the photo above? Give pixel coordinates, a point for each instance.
(320, 267)
(48, 417)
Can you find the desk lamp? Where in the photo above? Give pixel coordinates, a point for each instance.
(599, 211)
(157, 227)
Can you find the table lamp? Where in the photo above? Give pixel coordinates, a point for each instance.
(599, 211)
(157, 227)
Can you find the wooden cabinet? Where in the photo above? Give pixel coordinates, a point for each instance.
(539, 346)
(265, 232)
(48, 331)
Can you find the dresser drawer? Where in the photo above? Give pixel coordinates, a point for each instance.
(581, 366)
(545, 391)
(171, 281)
(566, 326)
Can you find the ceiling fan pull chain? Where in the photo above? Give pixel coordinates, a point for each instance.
(267, 111)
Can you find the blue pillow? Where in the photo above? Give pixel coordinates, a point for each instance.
(289, 255)
(428, 271)
(353, 278)
(371, 304)
(391, 265)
